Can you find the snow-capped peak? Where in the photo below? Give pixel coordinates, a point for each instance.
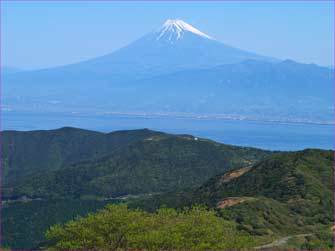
(174, 28)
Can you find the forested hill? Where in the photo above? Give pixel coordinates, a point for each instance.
(302, 175)
(31, 152)
(265, 195)
(285, 194)
(72, 163)
(61, 173)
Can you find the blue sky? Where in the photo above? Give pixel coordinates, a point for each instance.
(45, 34)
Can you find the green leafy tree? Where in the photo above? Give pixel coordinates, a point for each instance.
(117, 227)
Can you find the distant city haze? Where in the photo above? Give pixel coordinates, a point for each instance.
(39, 35)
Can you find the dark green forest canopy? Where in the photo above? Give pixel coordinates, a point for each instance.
(302, 175)
(284, 194)
(131, 162)
(286, 177)
(24, 224)
(31, 152)
(70, 168)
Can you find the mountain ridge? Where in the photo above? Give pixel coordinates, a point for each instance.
(136, 162)
(25, 153)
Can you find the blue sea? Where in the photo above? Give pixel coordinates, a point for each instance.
(265, 135)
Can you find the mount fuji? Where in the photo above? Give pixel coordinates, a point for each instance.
(178, 69)
(176, 45)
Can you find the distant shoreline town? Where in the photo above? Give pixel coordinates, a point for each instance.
(180, 115)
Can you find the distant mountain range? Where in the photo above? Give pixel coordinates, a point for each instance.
(178, 69)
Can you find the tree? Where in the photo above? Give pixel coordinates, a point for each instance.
(117, 227)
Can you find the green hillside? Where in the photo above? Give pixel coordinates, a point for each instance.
(155, 163)
(73, 165)
(284, 201)
(24, 224)
(31, 152)
(284, 194)
(302, 175)
(260, 196)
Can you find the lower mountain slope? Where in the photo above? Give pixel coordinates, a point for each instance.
(286, 194)
(24, 224)
(286, 177)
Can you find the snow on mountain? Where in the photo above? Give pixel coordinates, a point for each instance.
(173, 29)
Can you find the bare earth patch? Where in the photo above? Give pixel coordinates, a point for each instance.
(234, 174)
(230, 201)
